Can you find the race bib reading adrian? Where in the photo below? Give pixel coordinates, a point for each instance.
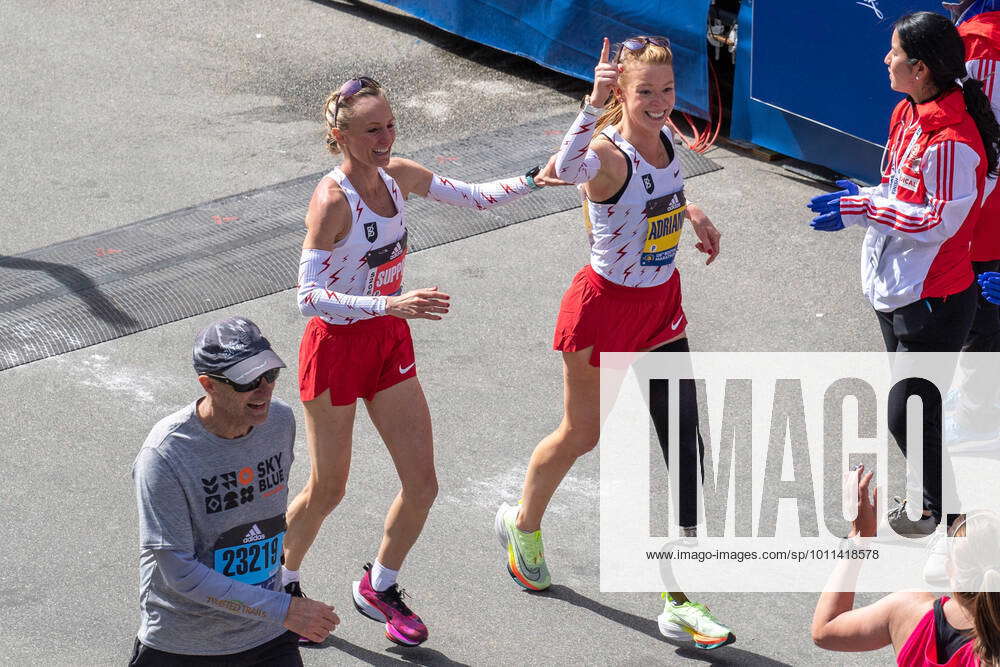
(665, 218)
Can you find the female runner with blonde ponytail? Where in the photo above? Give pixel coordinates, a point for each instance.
(357, 343)
(627, 299)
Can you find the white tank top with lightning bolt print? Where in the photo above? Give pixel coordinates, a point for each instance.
(369, 260)
(634, 235)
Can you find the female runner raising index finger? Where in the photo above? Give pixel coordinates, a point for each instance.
(627, 299)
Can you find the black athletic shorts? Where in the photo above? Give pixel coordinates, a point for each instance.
(282, 651)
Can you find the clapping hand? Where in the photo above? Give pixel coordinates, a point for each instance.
(989, 282)
(865, 524)
(831, 201)
(828, 207)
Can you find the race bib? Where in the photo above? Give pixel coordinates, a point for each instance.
(251, 553)
(664, 217)
(385, 268)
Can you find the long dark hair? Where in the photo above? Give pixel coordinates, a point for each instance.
(933, 39)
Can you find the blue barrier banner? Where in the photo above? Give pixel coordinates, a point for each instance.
(823, 60)
(810, 79)
(565, 35)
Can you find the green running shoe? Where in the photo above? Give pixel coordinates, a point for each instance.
(525, 554)
(693, 620)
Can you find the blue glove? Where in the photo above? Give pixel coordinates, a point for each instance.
(990, 284)
(828, 222)
(830, 201)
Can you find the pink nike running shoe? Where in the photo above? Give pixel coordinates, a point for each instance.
(402, 626)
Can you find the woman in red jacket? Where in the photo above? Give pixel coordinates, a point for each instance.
(975, 417)
(917, 271)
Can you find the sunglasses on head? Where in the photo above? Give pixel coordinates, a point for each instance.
(350, 88)
(639, 43)
(270, 376)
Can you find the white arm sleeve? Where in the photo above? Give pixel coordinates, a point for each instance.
(576, 163)
(479, 196)
(949, 174)
(200, 583)
(316, 300)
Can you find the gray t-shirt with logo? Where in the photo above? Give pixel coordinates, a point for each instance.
(224, 501)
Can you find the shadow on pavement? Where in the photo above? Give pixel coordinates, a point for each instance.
(727, 655)
(364, 655)
(424, 656)
(80, 284)
(407, 656)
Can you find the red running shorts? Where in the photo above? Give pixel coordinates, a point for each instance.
(614, 318)
(354, 360)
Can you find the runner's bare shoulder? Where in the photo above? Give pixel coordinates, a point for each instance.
(612, 159)
(613, 171)
(410, 176)
(329, 216)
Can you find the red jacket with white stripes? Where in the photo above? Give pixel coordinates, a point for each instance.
(920, 218)
(981, 35)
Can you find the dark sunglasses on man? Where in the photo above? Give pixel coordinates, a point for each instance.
(270, 376)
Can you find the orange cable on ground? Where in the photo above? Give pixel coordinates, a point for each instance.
(704, 139)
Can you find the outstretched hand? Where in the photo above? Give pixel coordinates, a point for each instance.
(709, 238)
(828, 207)
(830, 201)
(828, 222)
(418, 304)
(547, 176)
(865, 524)
(989, 282)
(605, 76)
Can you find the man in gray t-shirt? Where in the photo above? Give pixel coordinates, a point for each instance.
(211, 483)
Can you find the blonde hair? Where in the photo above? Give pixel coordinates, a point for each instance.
(339, 113)
(975, 562)
(651, 54)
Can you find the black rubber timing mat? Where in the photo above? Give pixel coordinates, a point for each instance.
(92, 289)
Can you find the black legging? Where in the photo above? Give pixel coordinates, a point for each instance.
(934, 324)
(692, 448)
(979, 386)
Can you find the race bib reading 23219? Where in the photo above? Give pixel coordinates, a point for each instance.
(665, 217)
(251, 553)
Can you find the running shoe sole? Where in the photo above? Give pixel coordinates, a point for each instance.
(672, 630)
(368, 611)
(501, 533)
(710, 643)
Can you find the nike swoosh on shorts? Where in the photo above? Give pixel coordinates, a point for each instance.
(677, 323)
(405, 370)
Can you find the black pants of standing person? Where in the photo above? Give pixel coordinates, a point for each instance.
(691, 450)
(976, 408)
(934, 324)
(984, 336)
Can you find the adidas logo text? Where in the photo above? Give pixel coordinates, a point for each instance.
(255, 535)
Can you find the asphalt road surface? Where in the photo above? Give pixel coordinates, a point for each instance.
(117, 111)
